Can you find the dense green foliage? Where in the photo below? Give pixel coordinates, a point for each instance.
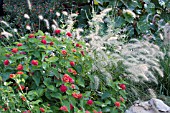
(105, 46)
(53, 74)
(148, 14)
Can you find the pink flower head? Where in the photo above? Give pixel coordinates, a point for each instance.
(64, 108)
(90, 102)
(68, 34)
(117, 104)
(20, 67)
(63, 88)
(6, 62)
(14, 50)
(19, 44)
(43, 41)
(34, 62)
(122, 86)
(57, 31)
(72, 63)
(66, 78)
(42, 109)
(64, 52)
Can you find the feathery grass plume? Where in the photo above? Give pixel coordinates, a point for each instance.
(166, 29)
(55, 23)
(96, 82)
(47, 23)
(15, 30)
(152, 93)
(26, 16)
(65, 13)
(57, 14)
(53, 27)
(100, 47)
(40, 17)
(70, 21)
(29, 5)
(78, 31)
(6, 34)
(4, 23)
(141, 59)
(28, 27)
(129, 12)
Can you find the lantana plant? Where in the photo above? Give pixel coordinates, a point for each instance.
(43, 73)
(52, 73)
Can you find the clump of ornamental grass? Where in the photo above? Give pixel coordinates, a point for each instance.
(163, 86)
(140, 57)
(137, 61)
(101, 45)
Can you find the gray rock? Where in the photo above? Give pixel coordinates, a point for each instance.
(152, 106)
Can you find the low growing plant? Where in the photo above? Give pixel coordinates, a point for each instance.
(52, 73)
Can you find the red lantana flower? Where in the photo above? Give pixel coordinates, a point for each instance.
(73, 86)
(23, 98)
(74, 72)
(75, 95)
(74, 50)
(117, 104)
(31, 36)
(34, 62)
(63, 88)
(43, 41)
(64, 52)
(122, 99)
(51, 43)
(19, 44)
(87, 111)
(12, 75)
(70, 70)
(71, 80)
(122, 86)
(6, 62)
(66, 78)
(64, 108)
(42, 109)
(82, 53)
(21, 87)
(90, 102)
(57, 31)
(78, 45)
(68, 34)
(20, 67)
(72, 63)
(20, 73)
(14, 50)
(71, 107)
